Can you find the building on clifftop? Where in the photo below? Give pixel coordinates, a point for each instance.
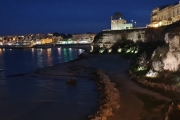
(165, 15)
(120, 24)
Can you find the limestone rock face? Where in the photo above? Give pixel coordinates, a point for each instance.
(171, 60)
(108, 38)
(137, 36)
(173, 41)
(168, 56)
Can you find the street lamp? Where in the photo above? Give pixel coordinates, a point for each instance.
(132, 23)
(135, 24)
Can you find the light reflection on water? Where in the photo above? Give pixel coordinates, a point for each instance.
(22, 61)
(31, 98)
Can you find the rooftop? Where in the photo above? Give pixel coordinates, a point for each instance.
(168, 5)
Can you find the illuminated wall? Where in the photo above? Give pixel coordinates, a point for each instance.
(46, 41)
(120, 25)
(162, 16)
(83, 37)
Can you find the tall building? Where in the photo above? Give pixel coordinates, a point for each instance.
(120, 24)
(165, 15)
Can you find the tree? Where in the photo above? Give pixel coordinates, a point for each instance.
(56, 34)
(117, 15)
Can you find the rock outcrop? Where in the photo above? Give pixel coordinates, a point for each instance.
(110, 97)
(169, 56)
(108, 38)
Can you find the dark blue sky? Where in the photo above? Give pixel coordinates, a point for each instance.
(71, 16)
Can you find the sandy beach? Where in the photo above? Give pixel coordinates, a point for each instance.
(116, 67)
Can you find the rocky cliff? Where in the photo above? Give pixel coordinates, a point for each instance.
(108, 38)
(165, 57)
(169, 55)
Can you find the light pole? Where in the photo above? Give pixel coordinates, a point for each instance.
(135, 24)
(132, 23)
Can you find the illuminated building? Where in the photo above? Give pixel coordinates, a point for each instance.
(165, 15)
(46, 41)
(120, 24)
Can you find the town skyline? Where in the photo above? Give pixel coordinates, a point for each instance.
(38, 16)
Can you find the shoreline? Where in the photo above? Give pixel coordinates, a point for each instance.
(86, 47)
(83, 66)
(116, 67)
(40, 72)
(109, 97)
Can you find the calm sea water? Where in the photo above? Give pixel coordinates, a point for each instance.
(31, 98)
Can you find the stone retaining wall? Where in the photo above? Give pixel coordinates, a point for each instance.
(110, 97)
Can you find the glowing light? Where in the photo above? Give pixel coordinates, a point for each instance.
(91, 48)
(151, 74)
(141, 69)
(59, 51)
(9, 43)
(0, 51)
(70, 42)
(101, 50)
(81, 51)
(110, 50)
(49, 52)
(136, 51)
(83, 41)
(38, 42)
(128, 50)
(64, 42)
(156, 25)
(120, 50)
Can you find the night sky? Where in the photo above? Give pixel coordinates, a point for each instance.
(71, 16)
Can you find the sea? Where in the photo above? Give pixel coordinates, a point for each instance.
(25, 97)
